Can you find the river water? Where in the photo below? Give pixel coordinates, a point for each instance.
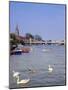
(34, 65)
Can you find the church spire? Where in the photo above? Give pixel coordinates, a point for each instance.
(17, 31)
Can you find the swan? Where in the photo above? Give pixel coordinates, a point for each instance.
(50, 69)
(15, 73)
(45, 50)
(24, 81)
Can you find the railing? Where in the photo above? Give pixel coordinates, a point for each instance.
(41, 42)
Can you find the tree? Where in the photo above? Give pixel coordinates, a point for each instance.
(38, 37)
(22, 42)
(12, 36)
(13, 40)
(29, 35)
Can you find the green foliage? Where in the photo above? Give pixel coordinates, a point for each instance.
(38, 37)
(29, 35)
(12, 36)
(13, 41)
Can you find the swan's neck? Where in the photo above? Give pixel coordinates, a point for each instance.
(18, 79)
(49, 66)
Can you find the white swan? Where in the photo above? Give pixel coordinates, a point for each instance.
(16, 75)
(50, 69)
(45, 50)
(24, 81)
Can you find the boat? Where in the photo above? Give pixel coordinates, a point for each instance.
(25, 50)
(16, 52)
(12, 47)
(19, 51)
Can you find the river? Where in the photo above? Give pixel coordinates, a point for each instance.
(38, 60)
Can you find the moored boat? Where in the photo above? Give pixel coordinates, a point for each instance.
(25, 50)
(16, 52)
(19, 51)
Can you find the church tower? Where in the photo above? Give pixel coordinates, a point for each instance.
(17, 31)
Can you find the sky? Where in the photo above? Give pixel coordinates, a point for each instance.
(46, 20)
